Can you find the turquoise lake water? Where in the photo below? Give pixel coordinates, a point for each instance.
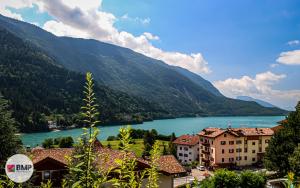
(179, 126)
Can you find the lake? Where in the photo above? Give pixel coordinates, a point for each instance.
(179, 126)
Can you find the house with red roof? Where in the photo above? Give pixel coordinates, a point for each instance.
(187, 147)
(52, 164)
(233, 146)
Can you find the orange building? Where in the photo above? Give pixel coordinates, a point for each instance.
(233, 146)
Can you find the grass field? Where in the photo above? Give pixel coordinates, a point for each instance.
(137, 147)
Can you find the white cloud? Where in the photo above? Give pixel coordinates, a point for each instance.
(150, 36)
(143, 21)
(274, 65)
(84, 19)
(260, 87)
(293, 42)
(289, 58)
(6, 4)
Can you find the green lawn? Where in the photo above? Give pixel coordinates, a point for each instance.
(137, 147)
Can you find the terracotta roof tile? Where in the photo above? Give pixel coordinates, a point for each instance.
(190, 140)
(169, 164)
(214, 132)
(106, 158)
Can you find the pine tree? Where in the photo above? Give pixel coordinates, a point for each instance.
(9, 142)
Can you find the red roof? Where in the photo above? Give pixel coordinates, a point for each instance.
(190, 140)
(106, 159)
(214, 132)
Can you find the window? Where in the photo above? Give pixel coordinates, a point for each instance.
(231, 150)
(246, 141)
(245, 150)
(212, 151)
(180, 154)
(253, 159)
(231, 142)
(197, 149)
(222, 160)
(46, 175)
(212, 142)
(223, 151)
(225, 135)
(185, 155)
(190, 146)
(190, 159)
(260, 141)
(223, 142)
(231, 159)
(185, 161)
(260, 149)
(245, 158)
(180, 148)
(201, 147)
(238, 158)
(253, 143)
(267, 141)
(238, 142)
(238, 150)
(190, 153)
(186, 148)
(253, 151)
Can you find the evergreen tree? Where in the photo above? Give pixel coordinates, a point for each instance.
(283, 144)
(9, 142)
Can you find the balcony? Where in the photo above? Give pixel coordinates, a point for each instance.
(205, 160)
(205, 143)
(206, 151)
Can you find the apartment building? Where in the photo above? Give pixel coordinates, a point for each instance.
(233, 146)
(187, 147)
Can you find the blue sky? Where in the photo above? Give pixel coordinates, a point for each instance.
(235, 44)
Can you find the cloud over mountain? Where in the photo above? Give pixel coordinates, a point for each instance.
(85, 19)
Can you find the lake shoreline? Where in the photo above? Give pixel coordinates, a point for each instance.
(179, 126)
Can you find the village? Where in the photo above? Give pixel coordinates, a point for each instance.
(197, 156)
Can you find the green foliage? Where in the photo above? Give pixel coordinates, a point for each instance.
(250, 179)
(224, 178)
(283, 144)
(152, 172)
(48, 184)
(294, 161)
(126, 176)
(9, 142)
(48, 143)
(66, 142)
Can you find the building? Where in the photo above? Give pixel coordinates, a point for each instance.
(187, 147)
(52, 164)
(233, 146)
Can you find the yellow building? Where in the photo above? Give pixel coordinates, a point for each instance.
(233, 146)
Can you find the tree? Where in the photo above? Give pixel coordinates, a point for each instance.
(9, 142)
(283, 144)
(250, 179)
(294, 161)
(66, 142)
(172, 147)
(225, 178)
(48, 143)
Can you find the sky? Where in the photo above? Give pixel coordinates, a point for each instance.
(249, 47)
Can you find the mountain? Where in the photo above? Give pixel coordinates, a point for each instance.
(122, 69)
(40, 90)
(258, 101)
(199, 81)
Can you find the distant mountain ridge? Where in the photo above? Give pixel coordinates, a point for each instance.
(176, 90)
(258, 101)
